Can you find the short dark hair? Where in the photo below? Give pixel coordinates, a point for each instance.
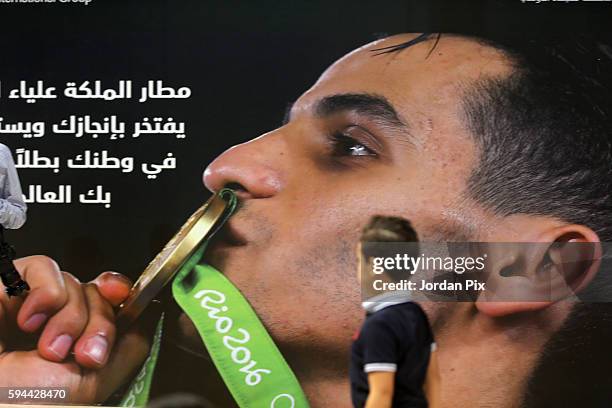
(383, 230)
(544, 132)
(388, 229)
(544, 137)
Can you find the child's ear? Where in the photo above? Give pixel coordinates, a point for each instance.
(532, 276)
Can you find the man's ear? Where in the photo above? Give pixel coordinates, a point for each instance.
(526, 277)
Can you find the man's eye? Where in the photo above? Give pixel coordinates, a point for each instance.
(344, 145)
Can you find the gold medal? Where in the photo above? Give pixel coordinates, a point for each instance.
(201, 225)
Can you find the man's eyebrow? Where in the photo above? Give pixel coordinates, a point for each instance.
(375, 106)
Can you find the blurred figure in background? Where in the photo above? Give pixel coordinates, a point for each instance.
(12, 207)
(12, 216)
(394, 348)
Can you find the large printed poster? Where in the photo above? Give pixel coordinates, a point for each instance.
(408, 203)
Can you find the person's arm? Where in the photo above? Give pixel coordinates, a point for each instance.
(380, 337)
(12, 207)
(432, 380)
(381, 385)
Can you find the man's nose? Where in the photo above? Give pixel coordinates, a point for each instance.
(253, 167)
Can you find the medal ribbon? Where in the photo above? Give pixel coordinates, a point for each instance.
(253, 369)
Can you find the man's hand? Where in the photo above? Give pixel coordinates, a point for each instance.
(63, 333)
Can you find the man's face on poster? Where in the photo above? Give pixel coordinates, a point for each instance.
(377, 134)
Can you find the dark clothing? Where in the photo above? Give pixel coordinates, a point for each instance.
(396, 339)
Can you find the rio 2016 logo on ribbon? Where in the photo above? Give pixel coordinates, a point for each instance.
(223, 324)
(230, 324)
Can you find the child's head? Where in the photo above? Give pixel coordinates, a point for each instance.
(382, 229)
